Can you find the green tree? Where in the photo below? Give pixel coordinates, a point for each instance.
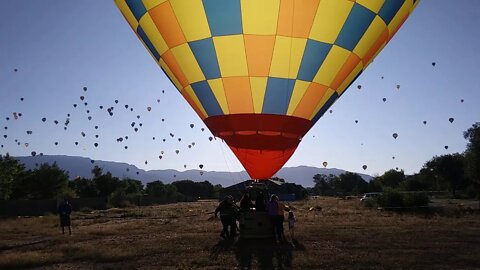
(390, 179)
(323, 184)
(84, 187)
(131, 186)
(472, 156)
(448, 169)
(106, 184)
(159, 189)
(10, 171)
(45, 182)
(349, 183)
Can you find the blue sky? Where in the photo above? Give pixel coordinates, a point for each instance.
(61, 46)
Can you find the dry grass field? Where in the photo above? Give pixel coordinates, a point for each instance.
(342, 235)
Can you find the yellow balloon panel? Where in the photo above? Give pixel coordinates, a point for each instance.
(284, 57)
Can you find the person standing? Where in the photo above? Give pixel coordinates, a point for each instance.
(246, 203)
(272, 211)
(228, 217)
(291, 224)
(64, 212)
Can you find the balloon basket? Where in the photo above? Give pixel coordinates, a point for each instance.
(255, 225)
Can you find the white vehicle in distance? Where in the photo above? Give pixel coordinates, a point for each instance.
(370, 196)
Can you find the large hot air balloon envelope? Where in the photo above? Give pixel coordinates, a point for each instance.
(261, 73)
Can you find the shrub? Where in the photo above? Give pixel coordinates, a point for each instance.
(119, 198)
(415, 199)
(390, 198)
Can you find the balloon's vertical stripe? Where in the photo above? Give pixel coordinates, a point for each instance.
(331, 65)
(287, 48)
(231, 56)
(217, 88)
(324, 103)
(258, 87)
(207, 98)
(192, 19)
(153, 34)
(277, 95)
(206, 56)
(328, 22)
(167, 24)
(315, 92)
(390, 9)
(298, 92)
(175, 68)
(137, 8)
(375, 48)
(373, 32)
(239, 95)
(354, 27)
(296, 18)
(260, 17)
(224, 17)
(187, 63)
(314, 55)
(259, 51)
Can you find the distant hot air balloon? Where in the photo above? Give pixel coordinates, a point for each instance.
(200, 166)
(446, 147)
(260, 74)
(325, 164)
(395, 135)
(384, 99)
(364, 167)
(433, 63)
(424, 122)
(149, 108)
(451, 120)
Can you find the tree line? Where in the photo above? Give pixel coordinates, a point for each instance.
(51, 182)
(451, 172)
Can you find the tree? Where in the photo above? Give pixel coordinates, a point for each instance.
(350, 183)
(472, 155)
(84, 188)
(10, 170)
(448, 169)
(131, 186)
(104, 183)
(323, 184)
(391, 179)
(159, 189)
(45, 182)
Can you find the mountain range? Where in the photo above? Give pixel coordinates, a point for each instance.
(82, 167)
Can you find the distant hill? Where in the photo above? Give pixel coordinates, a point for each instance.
(81, 166)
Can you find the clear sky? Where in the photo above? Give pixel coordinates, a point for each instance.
(61, 46)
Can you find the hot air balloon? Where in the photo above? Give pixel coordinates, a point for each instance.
(364, 167)
(384, 99)
(200, 166)
(395, 135)
(260, 74)
(325, 164)
(424, 122)
(149, 108)
(451, 120)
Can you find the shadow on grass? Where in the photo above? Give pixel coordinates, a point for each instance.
(259, 253)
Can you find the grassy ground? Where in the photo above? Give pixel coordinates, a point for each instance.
(340, 235)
